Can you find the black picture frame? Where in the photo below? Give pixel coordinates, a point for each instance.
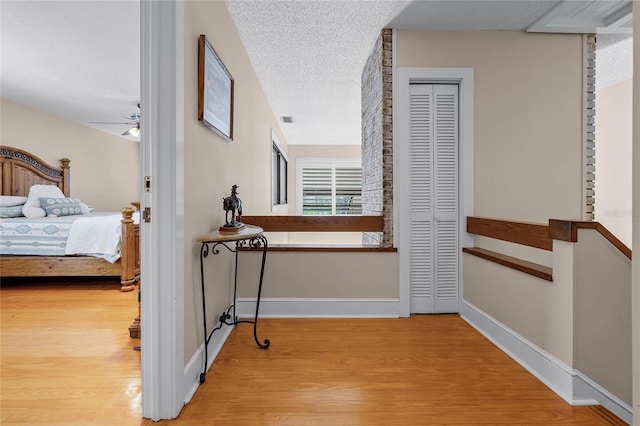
(215, 91)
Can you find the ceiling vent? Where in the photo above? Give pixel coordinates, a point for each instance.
(286, 119)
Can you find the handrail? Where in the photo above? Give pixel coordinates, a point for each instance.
(317, 248)
(316, 223)
(535, 269)
(567, 230)
(533, 235)
(524, 233)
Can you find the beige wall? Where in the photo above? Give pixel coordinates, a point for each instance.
(528, 116)
(602, 313)
(636, 218)
(321, 275)
(536, 309)
(527, 161)
(613, 206)
(212, 164)
(105, 169)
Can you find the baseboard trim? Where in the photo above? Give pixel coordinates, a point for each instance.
(292, 307)
(570, 384)
(194, 367)
(588, 392)
(544, 366)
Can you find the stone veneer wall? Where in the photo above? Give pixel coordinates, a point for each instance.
(377, 139)
(590, 154)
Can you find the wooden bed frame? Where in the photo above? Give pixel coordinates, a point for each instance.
(19, 170)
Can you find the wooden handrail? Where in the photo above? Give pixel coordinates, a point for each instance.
(327, 248)
(535, 269)
(533, 235)
(525, 233)
(567, 230)
(316, 223)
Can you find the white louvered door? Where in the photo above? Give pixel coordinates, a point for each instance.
(434, 198)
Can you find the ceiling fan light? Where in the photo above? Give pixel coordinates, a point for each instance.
(134, 131)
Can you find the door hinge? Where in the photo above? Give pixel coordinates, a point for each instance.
(146, 215)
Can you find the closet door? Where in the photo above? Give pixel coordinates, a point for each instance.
(434, 198)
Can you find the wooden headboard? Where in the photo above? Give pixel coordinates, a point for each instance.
(19, 170)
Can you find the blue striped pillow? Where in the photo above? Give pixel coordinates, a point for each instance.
(10, 211)
(60, 206)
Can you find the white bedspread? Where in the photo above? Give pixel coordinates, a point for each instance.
(96, 235)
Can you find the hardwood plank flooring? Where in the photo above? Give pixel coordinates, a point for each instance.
(66, 356)
(67, 359)
(425, 370)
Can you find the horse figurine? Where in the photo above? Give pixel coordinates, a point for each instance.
(232, 204)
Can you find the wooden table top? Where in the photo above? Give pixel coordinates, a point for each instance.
(249, 231)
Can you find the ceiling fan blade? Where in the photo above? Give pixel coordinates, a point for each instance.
(111, 122)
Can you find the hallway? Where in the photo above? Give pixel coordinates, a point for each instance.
(67, 359)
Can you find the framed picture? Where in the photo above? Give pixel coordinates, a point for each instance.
(215, 91)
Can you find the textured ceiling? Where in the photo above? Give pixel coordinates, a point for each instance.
(80, 59)
(309, 56)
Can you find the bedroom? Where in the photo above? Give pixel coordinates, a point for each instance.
(105, 174)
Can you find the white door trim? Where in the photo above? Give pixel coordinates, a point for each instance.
(403, 77)
(162, 240)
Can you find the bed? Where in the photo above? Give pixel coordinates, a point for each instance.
(19, 171)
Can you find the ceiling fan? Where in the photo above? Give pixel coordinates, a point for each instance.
(134, 122)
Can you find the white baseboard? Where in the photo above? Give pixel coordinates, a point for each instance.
(585, 389)
(194, 367)
(547, 368)
(571, 385)
(292, 307)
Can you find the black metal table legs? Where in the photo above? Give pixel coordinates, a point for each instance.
(227, 318)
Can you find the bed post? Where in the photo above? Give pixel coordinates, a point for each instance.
(128, 251)
(66, 177)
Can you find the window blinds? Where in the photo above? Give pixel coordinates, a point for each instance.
(332, 190)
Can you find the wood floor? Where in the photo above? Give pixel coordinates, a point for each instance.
(66, 357)
(67, 360)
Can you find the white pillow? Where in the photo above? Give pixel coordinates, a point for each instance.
(12, 200)
(32, 209)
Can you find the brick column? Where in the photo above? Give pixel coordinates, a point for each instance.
(590, 114)
(377, 139)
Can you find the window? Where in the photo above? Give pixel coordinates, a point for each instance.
(279, 166)
(329, 187)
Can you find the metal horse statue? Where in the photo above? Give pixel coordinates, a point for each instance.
(232, 204)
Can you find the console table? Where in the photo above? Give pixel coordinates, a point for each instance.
(249, 236)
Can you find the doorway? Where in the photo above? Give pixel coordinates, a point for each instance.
(433, 184)
(433, 205)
